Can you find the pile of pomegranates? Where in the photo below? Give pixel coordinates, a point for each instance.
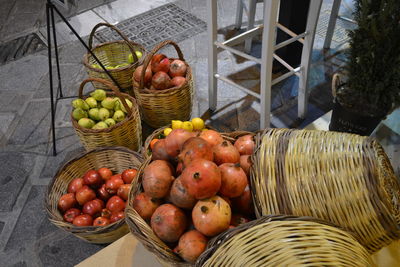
(96, 199)
(195, 187)
(162, 73)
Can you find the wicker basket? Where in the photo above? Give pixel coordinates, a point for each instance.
(285, 241)
(141, 230)
(342, 178)
(126, 133)
(115, 158)
(112, 54)
(159, 107)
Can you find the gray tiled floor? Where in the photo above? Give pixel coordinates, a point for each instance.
(26, 236)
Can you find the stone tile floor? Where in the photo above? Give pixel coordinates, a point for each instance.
(26, 236)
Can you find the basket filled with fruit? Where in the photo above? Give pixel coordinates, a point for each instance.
(106, 118)
(164, 87)
(190, 189)
(343, 178)
(277, 240)
(87, 195)
(120, 58)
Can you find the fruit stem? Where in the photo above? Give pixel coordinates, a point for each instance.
(204, 209)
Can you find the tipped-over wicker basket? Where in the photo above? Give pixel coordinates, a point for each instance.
(116, 159)
(112, 54)
(159, 107)
(141, 229)
(126, 133)
(285, 241)
(342, 178)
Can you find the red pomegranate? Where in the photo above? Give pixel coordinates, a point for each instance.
(212, 137)
(201, 178)
(179, 195)
(191, 245)
(225, 152)
(245, 163)
(178, 81)
(168, 222)
(177, 68)
(159, 62)
(174, 141)
(233, 180)
(245, 144)
(145, 205)
(211, 216)
(244, 203)
(195, 148)
(157, 179)
(147, 76)
(159, 151)
(161, 80)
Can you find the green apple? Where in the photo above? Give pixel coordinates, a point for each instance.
(79, 113)
(100, 125)
(91, 102)
(110, 122)
(94, 114)
(86, 123)
(98, 94)
(108, 103)
(119, 115)
(80, 103)
(104, 114)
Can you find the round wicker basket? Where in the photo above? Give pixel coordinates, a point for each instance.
(140, 228)
(342, 178)
(159, 107)
(285, 241)
(115, 158)
(112, 54)
(126, 133)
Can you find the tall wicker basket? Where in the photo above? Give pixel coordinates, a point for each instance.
(111, 54)
(139, 227)
(342, 178)
(115, 158)
(126, 133)
(285, 241)
(159, 107)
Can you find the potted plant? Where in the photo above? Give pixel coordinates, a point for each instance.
(370, 89)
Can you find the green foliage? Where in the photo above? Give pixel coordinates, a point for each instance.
(373, 68)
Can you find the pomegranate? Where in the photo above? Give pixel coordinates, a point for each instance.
(201, 178)
(195, 148)
(75, 185)
(174, 141)
(178, 81)
(238, 219)
(245, 163)
(179, 168)
(244, 202)
(105, 173)
(84, 195)
(157, 179)
(180, 197)
(147, 76)
(145, 205)
(212, 137)
(245, 144)
(177, 68)
(168, 222)
(233, 180)
(211, 216)
(225, 152)
(128, 175)
(159, 62)
(191, 245)
(161, 80)
(93, 179)
(159, 151)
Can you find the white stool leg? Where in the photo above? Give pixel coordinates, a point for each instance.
(267, 52)
(239, 14)
(332, 23)
(313, 15)
(250, 19)
(212, 53)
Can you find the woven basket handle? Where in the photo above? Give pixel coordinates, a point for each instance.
(111, 86)
(123, 36)
(153, 52)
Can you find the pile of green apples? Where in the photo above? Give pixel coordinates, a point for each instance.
(130, 59)
(99, 111)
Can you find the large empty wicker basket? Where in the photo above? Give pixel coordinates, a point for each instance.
(285, 241)
(342, 178)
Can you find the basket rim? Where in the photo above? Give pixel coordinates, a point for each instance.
(85, 229)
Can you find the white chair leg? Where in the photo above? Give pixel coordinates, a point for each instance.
(332, 23)
(267, 52)
(239, 14)
(212, 53)
(250, 19)
(312, 20)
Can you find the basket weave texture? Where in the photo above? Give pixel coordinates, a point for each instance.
(285, 241)
(111, 54)
(159, 107)
(126, 133)
(141, 229)
(117, 159)
(342, 178)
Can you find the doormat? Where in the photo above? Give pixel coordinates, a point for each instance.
(167, 22)
(340, 33)
(20, 47)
